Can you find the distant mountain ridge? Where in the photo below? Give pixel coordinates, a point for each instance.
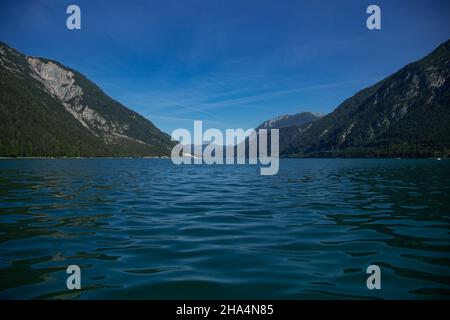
(48, 109)
(298, 119)
(406, 114)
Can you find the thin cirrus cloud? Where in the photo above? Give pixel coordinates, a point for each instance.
(182, 102)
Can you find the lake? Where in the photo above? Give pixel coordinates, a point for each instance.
(148, 229)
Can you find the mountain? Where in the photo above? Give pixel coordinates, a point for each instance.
(298, 119)
(48, 109)
(406, 114)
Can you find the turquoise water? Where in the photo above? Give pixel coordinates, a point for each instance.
(147, 229)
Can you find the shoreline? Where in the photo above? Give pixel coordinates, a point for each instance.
(167, 157)
(80, 158)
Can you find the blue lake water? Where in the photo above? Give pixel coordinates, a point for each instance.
(148, 229)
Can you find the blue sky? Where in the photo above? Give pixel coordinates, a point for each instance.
(230, 63)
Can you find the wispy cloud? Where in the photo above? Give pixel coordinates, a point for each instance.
(248, 99)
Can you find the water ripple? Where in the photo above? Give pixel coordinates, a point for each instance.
(145, 228)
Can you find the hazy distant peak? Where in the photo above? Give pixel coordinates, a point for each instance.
(289, 120)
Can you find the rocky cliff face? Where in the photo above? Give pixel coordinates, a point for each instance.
(32, 86)
(61, 83)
